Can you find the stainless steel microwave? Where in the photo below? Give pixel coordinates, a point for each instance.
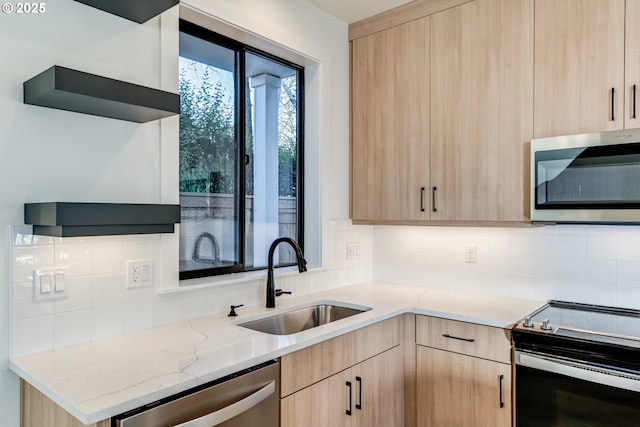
(587, 178)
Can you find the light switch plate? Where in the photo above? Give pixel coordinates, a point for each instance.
(50, 284)
(353, 250)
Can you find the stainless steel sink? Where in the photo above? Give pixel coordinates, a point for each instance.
(302, 319)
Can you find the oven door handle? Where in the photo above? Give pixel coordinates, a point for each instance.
(581, 371)
(233, 410)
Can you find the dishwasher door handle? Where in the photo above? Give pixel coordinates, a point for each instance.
(218, 417)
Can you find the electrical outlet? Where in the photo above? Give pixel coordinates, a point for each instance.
(470, 253)
(353, 250)
(135, 275)
(139, 273)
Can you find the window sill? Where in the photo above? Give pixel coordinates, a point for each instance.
(231, 279)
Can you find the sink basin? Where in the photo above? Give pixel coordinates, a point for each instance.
(302, 319)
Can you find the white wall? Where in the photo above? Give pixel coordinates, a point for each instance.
(47, 154)
(51, 155)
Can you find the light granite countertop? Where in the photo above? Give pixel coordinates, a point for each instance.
(100, 379)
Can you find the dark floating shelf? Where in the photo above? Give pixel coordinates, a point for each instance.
(72, 90)
(139, 11)
(63, 219)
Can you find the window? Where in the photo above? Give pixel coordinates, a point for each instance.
(240, 154)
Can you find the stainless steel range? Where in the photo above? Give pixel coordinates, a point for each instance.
(578, 365)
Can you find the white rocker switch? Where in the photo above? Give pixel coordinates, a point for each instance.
(58, 281)
(45, 284)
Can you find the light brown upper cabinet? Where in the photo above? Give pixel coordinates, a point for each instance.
(442, 111)
(580, 65)
(481, 110)
(390, 124)
(632, 65)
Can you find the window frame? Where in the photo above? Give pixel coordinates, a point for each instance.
(240, 123)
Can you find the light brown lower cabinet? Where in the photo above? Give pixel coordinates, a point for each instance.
(369, 394)
(37, 410)
(463, 374)
(456, 390)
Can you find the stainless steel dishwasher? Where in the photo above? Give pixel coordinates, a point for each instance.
(245, 399)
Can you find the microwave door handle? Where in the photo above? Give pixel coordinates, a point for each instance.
(218, 417)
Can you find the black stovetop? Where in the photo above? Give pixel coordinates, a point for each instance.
(602, 336)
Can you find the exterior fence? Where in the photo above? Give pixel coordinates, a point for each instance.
(214, 214)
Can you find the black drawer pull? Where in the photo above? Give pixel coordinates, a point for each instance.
(348, 383)
(422, 199)
(458, 338)
(501, 379)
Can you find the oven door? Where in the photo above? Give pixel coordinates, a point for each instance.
(554, 392)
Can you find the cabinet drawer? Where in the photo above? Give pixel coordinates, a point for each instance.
(312, 364)
(465, 338)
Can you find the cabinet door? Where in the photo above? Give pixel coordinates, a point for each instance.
(379, 391)
(390, 124)
(321, 405)
(481, 110)
(37, 410)
(455, 390)
(579, 59)
(632, 65)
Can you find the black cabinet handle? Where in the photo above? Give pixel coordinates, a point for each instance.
(634, 101)
(422, 199)
(348, 383)
(501, 380)
(458, 338)
(433, 198)
(613, 104)
(359, 402)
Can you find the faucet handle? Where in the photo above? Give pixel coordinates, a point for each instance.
(281, 292)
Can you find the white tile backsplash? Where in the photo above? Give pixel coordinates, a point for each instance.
(25, 307)
(586, 263)
(138, 315)
(107, 321)
(72, 328)
(573, 246)
(107, 257)
(601, 271)
(601, 244)
(593, 264)
(99, 304)
(76, 256)
(32, 335)
(107, 289)
(79, 298)
(628, 245)
(628, 273)
(26, 259)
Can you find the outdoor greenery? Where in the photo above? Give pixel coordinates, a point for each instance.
(207, 132)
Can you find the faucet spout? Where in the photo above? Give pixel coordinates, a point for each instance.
(302, 267)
